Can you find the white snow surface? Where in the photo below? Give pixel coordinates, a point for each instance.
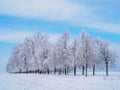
(59, 82)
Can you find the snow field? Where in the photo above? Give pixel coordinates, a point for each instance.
(56, 82)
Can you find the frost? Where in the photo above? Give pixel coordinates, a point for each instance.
(38, 55)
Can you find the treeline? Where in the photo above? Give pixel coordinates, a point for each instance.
(38, 55)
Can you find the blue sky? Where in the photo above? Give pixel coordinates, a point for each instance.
(21, 18)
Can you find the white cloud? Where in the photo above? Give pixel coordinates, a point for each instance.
(43, 9)
(19, 36)
(106, 27)
(57, 10)
(14, 36)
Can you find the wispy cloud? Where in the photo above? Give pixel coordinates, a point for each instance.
(57, 10)
(19, 36)
(106, 27)
(42, 9)
(14, 36)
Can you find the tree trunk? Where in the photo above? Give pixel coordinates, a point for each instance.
(54, 70)
(106, 68)
(93, 70)
(26, 66)
(67, 69)
(86, 69)
(83, 70)
(48, 71)
(74, 70)
(59, 71)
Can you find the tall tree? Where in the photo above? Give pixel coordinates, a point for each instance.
(41, 51)
(75, 55)
(85, 49)
(62, 46)
(52, 57)
(28, 49)
(95, 60)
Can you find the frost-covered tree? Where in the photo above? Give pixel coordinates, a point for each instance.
(41, 51)
(63, 52)
(31, 54)
(14, 64)
(85, 49)
(107, 56)
(60, 62)
(37, 54)
(53, 58)
(28, 50)
(95, 59)
(74, 51)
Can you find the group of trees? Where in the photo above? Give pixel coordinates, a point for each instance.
(38, 55)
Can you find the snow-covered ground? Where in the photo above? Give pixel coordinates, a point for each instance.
(62, 82)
